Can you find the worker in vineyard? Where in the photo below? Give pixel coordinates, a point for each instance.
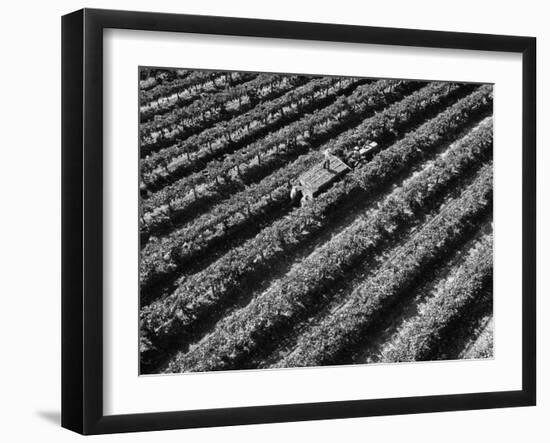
(295, 193)
(326, 163)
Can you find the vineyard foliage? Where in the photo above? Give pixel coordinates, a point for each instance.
(240, 269)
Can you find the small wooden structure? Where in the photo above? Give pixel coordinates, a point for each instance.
(319, 177)
(368, 149)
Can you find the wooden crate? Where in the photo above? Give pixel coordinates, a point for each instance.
(317, 179)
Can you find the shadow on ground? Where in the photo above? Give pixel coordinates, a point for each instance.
(54, 417)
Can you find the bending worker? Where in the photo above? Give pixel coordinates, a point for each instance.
(295, 193)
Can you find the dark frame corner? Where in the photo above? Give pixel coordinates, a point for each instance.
(82, 67)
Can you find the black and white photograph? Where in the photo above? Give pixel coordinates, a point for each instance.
(293, 220)
(275, 222)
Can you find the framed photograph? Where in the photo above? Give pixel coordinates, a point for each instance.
(269, 221)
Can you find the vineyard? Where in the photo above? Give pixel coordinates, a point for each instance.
(292, 220)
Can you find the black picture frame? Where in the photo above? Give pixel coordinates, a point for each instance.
(82, 215)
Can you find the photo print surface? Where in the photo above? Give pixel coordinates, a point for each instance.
(291, 220)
